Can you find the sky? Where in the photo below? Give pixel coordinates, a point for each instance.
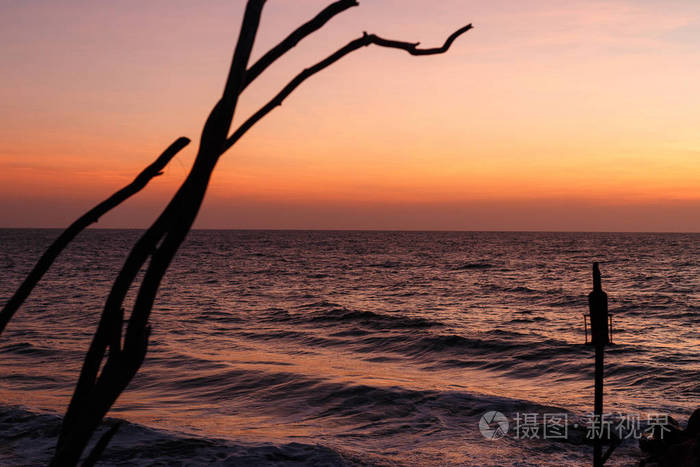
(569, 115)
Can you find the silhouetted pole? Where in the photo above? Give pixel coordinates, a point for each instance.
(598, 406)
(598, 306)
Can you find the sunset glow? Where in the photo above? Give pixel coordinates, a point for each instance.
(572, 115)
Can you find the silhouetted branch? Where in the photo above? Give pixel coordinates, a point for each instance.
(99, 448)
(97, 390)
(412, 48)
(90, 217)
(194, 188)
(295, 37)
(365, 40)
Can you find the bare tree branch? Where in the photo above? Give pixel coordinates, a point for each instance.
(97, 390)
(295, 37)
(99, 448)
(211, 147)
(90, 217)
(142, 253)
(365, 40)
(412, 48)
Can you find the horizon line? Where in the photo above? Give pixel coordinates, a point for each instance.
(375, 230)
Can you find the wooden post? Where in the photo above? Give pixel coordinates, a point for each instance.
(598, 407)
(598, 306)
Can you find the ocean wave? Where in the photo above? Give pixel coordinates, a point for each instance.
(534, 319)
(475, 265)
(26, 348)
(329, 313)
(28, 439)
(363, 411)
(386, 265)
(517, 289)
(344, 338)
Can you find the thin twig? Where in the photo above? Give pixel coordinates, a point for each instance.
(295, 37)
(90, 217)
(365, 40)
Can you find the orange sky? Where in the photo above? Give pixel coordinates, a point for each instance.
(568, 115)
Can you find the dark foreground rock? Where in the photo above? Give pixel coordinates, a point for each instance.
(674, 447)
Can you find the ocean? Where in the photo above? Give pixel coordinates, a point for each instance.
(359, 348)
